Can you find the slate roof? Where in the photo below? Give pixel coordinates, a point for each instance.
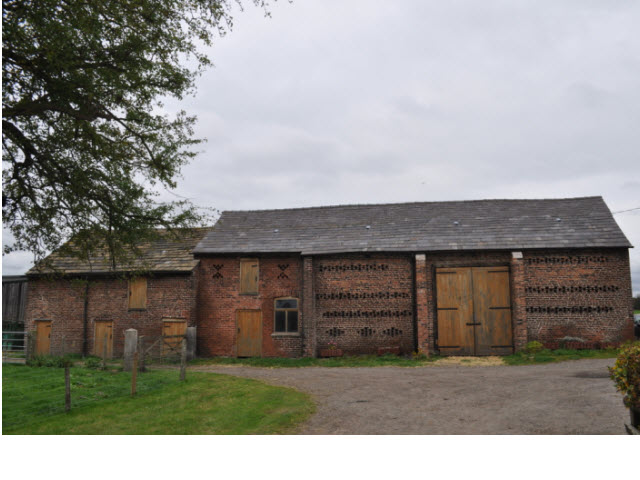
(415, 227)
(165, 254)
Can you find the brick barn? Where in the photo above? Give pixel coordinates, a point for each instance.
(71, 304)
(455, 278)
(465, 278)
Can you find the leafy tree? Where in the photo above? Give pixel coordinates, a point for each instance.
(636, 302)
(85, 143)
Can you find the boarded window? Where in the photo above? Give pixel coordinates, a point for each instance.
(138, 293)
(249, 275)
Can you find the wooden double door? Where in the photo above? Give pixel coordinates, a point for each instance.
(474, 311)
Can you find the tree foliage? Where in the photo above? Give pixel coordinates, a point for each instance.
(86, 145)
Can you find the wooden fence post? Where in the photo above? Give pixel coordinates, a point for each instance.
(104, 350)
(134, 374)
(67, 389)
(141, 366)
(31, 346)
(183, 359)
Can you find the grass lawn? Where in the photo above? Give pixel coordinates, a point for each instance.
(203, 404)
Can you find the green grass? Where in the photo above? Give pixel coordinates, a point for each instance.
(347, 361)
(203, 404)
(521, 358)
(549, 356)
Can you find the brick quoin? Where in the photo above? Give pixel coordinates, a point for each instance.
(62, 302)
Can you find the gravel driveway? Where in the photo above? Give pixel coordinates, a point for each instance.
(574, 397)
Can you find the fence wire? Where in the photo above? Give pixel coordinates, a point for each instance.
(32, 394)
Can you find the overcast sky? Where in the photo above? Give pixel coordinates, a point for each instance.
(335, 102)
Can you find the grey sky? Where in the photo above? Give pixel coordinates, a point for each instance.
(333, 102)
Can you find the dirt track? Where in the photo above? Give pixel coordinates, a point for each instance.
(575, 397)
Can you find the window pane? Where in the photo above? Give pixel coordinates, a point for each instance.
(288, 303)
(280, 319)
(292, 321)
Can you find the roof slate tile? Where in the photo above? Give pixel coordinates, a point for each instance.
(424, 226)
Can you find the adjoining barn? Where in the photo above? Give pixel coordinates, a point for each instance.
(72, 305)
(14, 300)
(465, 278)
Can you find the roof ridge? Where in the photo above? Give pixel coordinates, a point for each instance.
(355, 205)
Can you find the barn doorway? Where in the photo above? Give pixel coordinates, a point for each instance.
(43, 337)
(103, 329)
(249, 333)
(474, 311)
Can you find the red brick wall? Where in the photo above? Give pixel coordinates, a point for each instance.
(219, 299)
(62, 301)
(578, 293)
(364, 302)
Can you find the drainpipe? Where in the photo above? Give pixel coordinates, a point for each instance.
(415, 302)
(85, 317)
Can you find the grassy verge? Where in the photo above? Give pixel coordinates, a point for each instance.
(520, 358)
(204, 404)
(347, 361)
(561, 355)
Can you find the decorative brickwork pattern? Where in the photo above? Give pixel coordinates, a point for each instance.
(364, 302)
(583, 294)
(219, 299)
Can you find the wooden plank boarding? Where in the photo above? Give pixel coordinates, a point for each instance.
(249, 273)
(173, 331)
(249, 342)
(492, 304)
(43, 337)
(138, 293)
(474, 311)
(100, 347)
(455, 310)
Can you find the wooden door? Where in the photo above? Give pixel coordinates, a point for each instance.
(103, 329)
(43, 337)
(249, 333)
(173, 344)
(249, 274)
(492, 311)
(474, 311)
(455, 311)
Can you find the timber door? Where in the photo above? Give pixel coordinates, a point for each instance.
(171, 328)
(102, 330)
(474, 311)
(249, 333)
(43, 337)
